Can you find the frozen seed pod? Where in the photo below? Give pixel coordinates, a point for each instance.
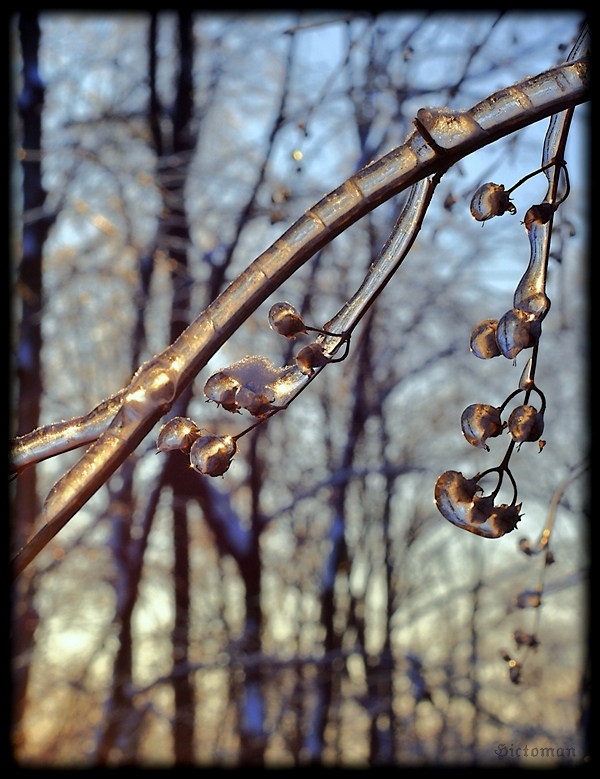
(453, 495)
(517, 330)
(528, 599)
(503, 519)
(480, 422)
(211, 455)
(286, 320)
(259, 404)
(540, 214)
(311, 357)
(458, 501)
(491, 200)
(253, 383)
(490, 521)
(483, 341)
(525, 423)
(222, 389)
(525, 547)
(522, 638)
(177, 433)
(514, 672)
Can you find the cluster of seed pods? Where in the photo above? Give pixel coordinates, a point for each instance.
(252, 384)
(209, 454)
(459, 499)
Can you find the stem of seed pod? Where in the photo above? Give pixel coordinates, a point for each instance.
(347, 350)
(558, 163)
(256, 424)
(542, 398)
(514, 484)
(324, 332)
(510, 397)
(501, 470)
(497, 470)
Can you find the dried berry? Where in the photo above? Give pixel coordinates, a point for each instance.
(483, 340)
(211, 455)
(525, 423)
(491, 200)
(480, 422)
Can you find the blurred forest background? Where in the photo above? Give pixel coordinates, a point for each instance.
(312, 606)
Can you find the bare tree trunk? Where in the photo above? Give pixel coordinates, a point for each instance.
(37, 223)
(176, 227)
(252, 704)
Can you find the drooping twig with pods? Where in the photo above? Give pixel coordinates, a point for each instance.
(114, 429)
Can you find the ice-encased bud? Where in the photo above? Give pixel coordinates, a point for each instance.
(311, 357)
(177, 433)
(286, 320)
(458, 501)
(483, 341)
(453, 495)
(491, 200)
(479, 422)
(540, 214)
(525, 423)
(503, 519)
(259, 404)
(253, 383)
(528, 599)
(211, 455)
(222, 389)
(517, 330)
(522, 638)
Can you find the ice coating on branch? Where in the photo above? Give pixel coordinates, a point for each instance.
(530, 294)
(448, 128)
(254, 384)
(526, 380)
